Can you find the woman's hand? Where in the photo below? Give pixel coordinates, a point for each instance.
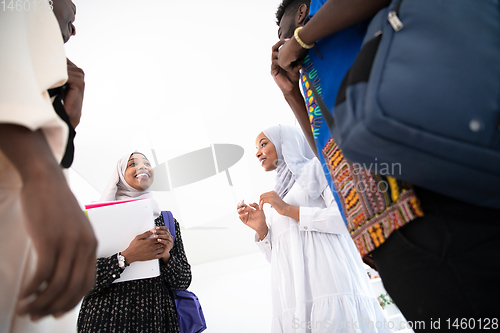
(253, 216)
(290, 56)
(286, 81)
(279, 205)
(163, 235)
(143, 248)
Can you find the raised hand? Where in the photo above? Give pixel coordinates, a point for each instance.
(280, 206)
(291, 55)
(253, 216)
(73, 100)
(286, 81)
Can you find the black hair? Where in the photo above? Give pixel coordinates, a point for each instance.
(287, 6)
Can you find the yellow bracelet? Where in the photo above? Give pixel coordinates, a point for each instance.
(301, 43)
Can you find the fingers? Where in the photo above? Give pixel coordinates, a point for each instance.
(275, 52)
(69, 63)
(153, 249)
(82, 277)
(255, 206)
(274, 57)
(161, 230)
(42, 305)
(276, 46)
(75, 74)
(268, 197)
(296, 66)
(144, 235)
(244, 213)
(247, 208)
(44, 270)
(71, 279)
(262, 199)
(73, 100)
(167, 241)
(164, 237)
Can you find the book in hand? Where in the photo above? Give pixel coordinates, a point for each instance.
(115, 225)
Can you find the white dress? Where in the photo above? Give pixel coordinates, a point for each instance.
(319, 283)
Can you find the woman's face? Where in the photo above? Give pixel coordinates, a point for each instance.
(266, 152)
(139, 174)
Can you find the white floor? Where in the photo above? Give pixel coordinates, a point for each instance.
(234, 294)
(235, 297)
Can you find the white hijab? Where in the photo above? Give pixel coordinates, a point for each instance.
(119, 189)
(296, 162)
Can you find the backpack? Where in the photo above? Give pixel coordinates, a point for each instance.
(421, 101)
(189, 312)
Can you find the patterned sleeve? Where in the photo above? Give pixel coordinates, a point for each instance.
(177, 272)
(107, 271)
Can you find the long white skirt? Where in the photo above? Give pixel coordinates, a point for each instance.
(319, 282)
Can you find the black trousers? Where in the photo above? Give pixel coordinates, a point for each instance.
(445, 266)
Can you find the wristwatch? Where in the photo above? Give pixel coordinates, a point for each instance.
(121, 260)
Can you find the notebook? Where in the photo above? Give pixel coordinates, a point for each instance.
(116, 225)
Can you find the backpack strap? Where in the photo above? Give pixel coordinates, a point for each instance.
(322, 106)
(168, 219)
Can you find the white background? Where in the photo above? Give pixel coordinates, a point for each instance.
(178, 76)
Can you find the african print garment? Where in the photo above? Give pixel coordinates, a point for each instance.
(373, 203)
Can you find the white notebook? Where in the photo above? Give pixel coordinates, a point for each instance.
(115, 226)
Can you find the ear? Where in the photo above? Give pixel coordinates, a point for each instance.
(301, 15)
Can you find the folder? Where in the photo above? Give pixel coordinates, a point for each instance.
(116, 225)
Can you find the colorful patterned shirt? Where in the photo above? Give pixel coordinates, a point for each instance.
(373, 205)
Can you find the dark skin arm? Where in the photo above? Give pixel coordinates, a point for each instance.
(73, 99)
(60, 231)
(288, 82)
(333, 16)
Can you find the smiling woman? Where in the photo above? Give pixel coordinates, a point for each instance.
(139, 174)
(317, 276)
(144, 305)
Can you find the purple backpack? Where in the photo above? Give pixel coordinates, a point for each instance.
(189, 312)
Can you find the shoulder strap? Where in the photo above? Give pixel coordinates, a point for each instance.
(168, 219)
(322, 106)
(59, 94)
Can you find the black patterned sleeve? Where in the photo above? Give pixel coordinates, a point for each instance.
(107, 271)
(177, 272)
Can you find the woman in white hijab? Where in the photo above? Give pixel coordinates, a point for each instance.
(144, 305)
(319, 283)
